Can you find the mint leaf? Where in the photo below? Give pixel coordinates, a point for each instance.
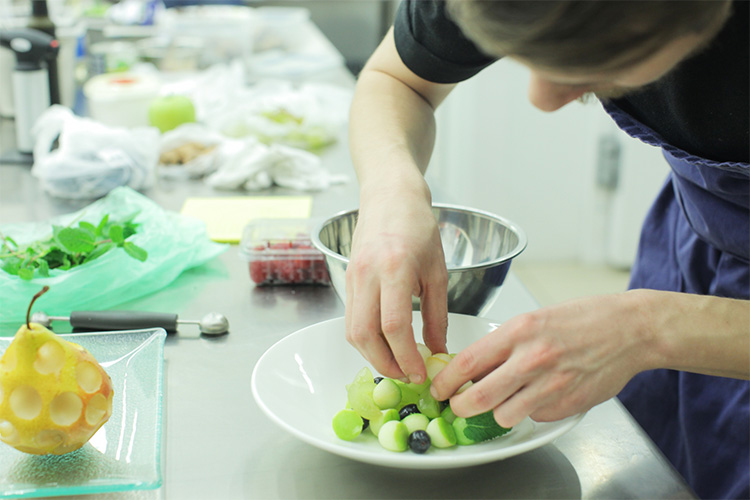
(102, 223)
(8, 239)
(12, 265)
(115, 234)
(483, 427)
(54, 257)
(87, 226)
(129, 229)
(26, 273)
(135, 251)
(99, 251)
(43, 269)
(76, 240)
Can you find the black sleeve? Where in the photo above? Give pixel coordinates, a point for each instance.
(432, 46)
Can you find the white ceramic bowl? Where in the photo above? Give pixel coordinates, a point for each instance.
(300, 384)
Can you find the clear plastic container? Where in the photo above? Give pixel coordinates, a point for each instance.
(279, 252)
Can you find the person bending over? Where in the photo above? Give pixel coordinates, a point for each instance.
(675, 348)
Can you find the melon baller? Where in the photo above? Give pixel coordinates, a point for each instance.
(210, 324)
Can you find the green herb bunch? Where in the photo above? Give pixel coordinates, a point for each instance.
(69, 247)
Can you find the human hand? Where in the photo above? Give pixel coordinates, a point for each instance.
(396, 253)
(551, 363)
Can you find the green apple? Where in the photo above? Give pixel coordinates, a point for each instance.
(170, 111)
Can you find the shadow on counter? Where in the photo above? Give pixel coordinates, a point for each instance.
(541, 473)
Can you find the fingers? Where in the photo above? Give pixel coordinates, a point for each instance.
(547, 364)
(516, 390)
(378, 324)
(500, 391)
(500, 384)
(363, 329)
(434, 307)
(544, 399)
(395, 318)
(472, 363)
(387, 268)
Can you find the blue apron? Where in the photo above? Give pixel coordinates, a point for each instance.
(695, 239)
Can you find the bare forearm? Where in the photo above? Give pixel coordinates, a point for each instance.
(392, 125)
(697, 333)
(396, 252)
(389, 119)
(392, 131)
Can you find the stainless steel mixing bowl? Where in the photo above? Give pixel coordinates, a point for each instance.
(478, 246)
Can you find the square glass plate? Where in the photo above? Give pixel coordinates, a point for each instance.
(125, 454)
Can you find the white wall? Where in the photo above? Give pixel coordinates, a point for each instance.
(355, 28)
(496, 152)
(642, 174)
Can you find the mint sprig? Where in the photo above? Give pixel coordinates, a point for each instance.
(68, 247)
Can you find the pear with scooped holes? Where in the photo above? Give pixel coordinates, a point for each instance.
(54, 395)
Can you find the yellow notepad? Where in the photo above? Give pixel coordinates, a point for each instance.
(225, 217)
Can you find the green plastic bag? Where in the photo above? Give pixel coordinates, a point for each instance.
(174, 243)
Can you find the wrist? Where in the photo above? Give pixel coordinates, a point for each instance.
(398, 187)
(654, 319)
(695, 333)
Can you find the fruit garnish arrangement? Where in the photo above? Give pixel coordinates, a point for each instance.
(406, 416)
(54, 395)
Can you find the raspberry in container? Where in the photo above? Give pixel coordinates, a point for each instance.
(279, 252)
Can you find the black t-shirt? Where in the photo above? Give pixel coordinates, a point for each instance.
(702, 106)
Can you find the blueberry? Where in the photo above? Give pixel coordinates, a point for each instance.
(377, 380)
(419, 441)
(407, 410)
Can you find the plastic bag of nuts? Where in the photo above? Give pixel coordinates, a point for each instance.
(190, 150)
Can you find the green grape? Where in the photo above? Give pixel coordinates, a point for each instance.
(416, 422)
(385, 416)
(359, 393)
(394, 436)
(441, 433)
(347, 424)
(428, 405)
(386, 394)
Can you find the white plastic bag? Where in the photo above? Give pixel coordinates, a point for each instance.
(308, 117)
(251, 165)
(92, 159)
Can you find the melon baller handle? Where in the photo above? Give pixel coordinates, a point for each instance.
(210, 324)
(123, 320)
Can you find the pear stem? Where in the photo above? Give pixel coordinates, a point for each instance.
(33, 299)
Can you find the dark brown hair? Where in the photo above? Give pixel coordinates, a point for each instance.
(583, 34)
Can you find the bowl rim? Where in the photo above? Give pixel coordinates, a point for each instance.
(520, 233)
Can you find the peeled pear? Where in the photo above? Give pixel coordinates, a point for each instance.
(54, 395)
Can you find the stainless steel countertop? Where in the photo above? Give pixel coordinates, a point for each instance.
(219, 445)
